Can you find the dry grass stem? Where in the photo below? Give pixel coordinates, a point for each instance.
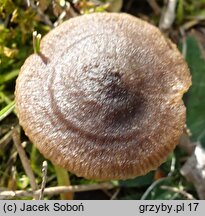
(43, 16)
(177, 190)
(155, 7)
(55, 190)
(24, 160)
(168, 16)
(114, 196)
(5, 139)
(43, 184)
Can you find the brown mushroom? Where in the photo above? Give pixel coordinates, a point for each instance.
(104, 97)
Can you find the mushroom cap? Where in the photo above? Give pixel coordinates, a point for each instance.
(103, 99)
